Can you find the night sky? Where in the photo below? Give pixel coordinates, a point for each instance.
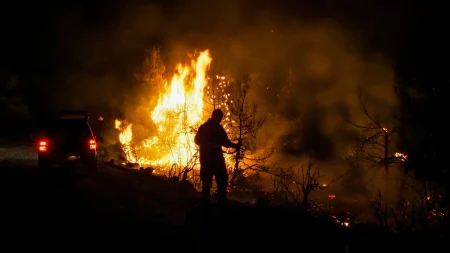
(43, 44)
(41, 40)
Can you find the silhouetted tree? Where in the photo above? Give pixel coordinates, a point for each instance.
(244, 126)
(242, 122)
(375, 146)
(375, 141)
(296, 184)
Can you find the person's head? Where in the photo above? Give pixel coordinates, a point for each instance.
(217, 115)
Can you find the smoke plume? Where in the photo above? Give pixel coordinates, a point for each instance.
(308, 62)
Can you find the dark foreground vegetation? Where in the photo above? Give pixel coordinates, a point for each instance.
(118, 206)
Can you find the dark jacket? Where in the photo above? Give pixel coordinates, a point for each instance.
(211, 137)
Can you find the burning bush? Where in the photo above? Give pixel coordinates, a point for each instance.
(181, 108)
(178, 113)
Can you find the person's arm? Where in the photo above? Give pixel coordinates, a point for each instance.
(197, 138)
(224, 140)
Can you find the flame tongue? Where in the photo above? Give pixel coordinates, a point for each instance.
(178, 109)
(125, 138)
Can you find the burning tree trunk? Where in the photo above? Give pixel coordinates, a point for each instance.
(374, 140)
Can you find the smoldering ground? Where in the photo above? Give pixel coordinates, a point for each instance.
(307, 64)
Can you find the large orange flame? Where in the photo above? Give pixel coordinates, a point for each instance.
(179, 110)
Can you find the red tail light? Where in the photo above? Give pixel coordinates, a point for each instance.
(42, 146)
(92, 144)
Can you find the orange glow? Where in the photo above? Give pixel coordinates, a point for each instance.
(179, 110)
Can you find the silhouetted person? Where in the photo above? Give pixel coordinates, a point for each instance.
(211, 137)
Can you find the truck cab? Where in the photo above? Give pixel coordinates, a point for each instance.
(67, 142)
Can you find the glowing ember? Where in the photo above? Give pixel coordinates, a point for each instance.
(401, 156)
(179, 111)
(219, 98)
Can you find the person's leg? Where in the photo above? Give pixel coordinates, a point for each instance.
(206, 176)
(221, 177)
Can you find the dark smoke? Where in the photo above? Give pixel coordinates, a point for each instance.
(100, 46)
(308, 60)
